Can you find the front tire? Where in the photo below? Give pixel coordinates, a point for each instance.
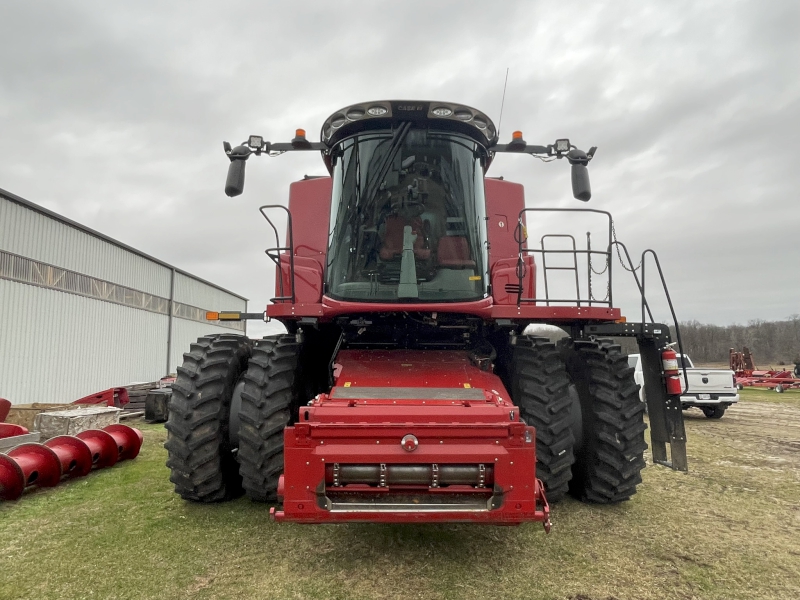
(540, 388)
(609, 463)
(201, 456)
(271, 395)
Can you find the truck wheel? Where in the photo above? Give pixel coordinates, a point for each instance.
(714, 412)
(201, 456)
(609, 462)
(540, 388)
(270, 398)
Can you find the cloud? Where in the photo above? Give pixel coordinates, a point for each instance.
(113, 115)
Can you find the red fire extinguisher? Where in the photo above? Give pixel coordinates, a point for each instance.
(672, 378)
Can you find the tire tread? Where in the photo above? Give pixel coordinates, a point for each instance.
(200, 458)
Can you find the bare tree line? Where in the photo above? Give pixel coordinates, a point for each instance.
(771, 342)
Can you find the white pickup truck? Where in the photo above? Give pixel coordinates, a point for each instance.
(710, 390)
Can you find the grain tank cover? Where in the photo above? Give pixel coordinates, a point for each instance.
(382, 114)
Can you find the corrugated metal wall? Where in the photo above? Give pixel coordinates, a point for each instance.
(196, 293)
(35, 235)
(57, 345)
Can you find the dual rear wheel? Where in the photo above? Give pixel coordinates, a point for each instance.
(228, 378)
(582, 399)
(580, 396)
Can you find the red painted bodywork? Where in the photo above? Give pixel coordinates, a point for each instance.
(453, 414)
(5, 407)
(504, 202)
(486, 309)
(767, 379)
(310, 206)
(111, 397)
(309, 203)
(8, 430)
(45, 464)
(380, 396)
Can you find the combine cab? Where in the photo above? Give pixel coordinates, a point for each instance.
(406, 389)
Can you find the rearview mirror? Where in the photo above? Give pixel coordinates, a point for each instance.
(234, 184)
(581, 188)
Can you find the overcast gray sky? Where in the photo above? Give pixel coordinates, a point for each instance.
(113, 114)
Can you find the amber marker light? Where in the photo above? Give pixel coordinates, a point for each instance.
(517, 135)
(212, 316)
(299, 141)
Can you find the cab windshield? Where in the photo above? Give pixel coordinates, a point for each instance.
(407, 218)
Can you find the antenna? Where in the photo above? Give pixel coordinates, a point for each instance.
(502, 104)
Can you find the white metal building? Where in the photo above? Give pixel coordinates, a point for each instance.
(81, 312)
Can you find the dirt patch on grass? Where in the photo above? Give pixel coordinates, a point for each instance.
(770, 431)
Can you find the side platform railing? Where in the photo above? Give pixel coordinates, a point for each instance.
(664, 410)
(277, 252)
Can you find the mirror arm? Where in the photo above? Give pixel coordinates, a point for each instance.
(574, 156)
(243, 152)
(238, 153)
(578, 157)
(523, 149)
(293, 146)
(234, 184)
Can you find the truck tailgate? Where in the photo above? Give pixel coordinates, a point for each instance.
(710, 381)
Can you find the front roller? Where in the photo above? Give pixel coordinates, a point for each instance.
(361, 473)
(74, 454)
(395, 454)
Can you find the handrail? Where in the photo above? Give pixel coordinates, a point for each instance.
(574, 266)
(275, 253)
(639, 284)
(521, 236)
(671, 309)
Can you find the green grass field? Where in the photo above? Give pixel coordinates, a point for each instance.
(728, 529)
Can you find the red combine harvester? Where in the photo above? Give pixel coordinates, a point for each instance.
(406, 389)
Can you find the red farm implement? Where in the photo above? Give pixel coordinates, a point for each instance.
(405, 388)
(64, 457)
(748, 375)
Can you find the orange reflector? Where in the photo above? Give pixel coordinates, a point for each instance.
(622, 320)
(212, 316)
(517, 135)
(301, 133)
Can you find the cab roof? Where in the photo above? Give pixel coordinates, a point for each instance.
(383, 114)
